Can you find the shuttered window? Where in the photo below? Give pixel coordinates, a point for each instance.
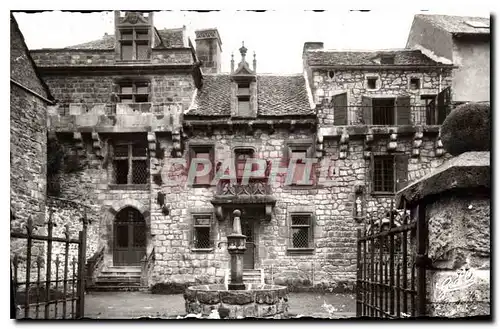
(340, 112)
(386, 111)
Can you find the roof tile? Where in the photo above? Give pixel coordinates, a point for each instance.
(457, 24)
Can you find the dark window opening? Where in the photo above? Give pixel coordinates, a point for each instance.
(383, 111)
(130, 164)
(201, 232)
(241, 156)
(301, 231)
(371, 83)
(331, 74)
(431, 115)
(414, 83)
(387, 59)
(383, 173)
(134, 92)
(243, 99)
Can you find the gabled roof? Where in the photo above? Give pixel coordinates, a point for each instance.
(458, 24)
(277, 95)
(171, 38)
(367, 57)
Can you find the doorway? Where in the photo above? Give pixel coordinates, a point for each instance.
(129, 238)
(248, 229)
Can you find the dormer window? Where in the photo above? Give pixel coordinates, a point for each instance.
(134, 44)
(243, 98)
(387, 59)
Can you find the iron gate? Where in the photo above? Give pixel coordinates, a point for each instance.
(391, 254)
(49, 297)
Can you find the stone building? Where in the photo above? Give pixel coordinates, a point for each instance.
(463, 41)
(138, 110)
(29, 98)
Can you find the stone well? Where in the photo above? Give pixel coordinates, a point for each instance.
(257, 300)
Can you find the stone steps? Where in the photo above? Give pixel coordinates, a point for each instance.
(249, 276)
(119, 278)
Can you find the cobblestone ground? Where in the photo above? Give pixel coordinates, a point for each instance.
(128, 305)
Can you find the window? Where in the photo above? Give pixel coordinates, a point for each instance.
(240, 157)
(414, 83)
(371, 82)
(202, 152)
(130, 163)
(387, 59)
(301, 231)
(244, 99)
(299, 153)
(389, 173)
(383, 111)
(133, 92)
(202, 224)
(134, 44)
(430, 109)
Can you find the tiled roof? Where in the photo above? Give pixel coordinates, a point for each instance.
(372, 57)
(457, 24)
(277, 95)
(171, 38)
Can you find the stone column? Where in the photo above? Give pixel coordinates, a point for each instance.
(456, 197)
(236, 248)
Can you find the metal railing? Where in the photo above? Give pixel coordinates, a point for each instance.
(94, 266)
(391, 265)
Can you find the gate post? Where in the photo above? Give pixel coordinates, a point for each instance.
(454, 200)
(82, 247)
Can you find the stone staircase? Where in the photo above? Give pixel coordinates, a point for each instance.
(119, 278)
(249, 276)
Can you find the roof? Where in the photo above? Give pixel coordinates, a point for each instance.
(458, 24)
(277, 95)
(367, 57)
(171, 38)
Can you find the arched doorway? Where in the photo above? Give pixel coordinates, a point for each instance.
(129, 237)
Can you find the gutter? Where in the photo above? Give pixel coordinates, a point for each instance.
(32, 92)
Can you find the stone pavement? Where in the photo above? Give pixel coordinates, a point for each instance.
(129, 305)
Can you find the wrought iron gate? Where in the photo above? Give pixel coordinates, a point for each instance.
(49, 297)
(391, 256)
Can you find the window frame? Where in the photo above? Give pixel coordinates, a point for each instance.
(133, 95)
(379, 157)
(300, 146)
(194, 226)
(193, 150)
(130, 164)
(135, 42)
(311, 243)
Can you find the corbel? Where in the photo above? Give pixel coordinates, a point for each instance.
(439, 146)
(319, 145)
(344, 144)
(97, 145)
(230, 128)
(218, 213)
(210, 130)
(269, 212)
(177, 145)
(393, 141)
(417, 143)
(272, 128)
(292, 125)
(368, 144)
(152, 144)
(250, 129)
(80, 149)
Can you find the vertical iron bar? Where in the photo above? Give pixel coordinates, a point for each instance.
(381, 269)
(391, 261)
(405, 262)
(49, 265)
(73, 288)
(81, 269)
(66, 256)
(375, 289)
(359, 276)
(372, 270)
(412, 295)
(387, 288)
(365, 277)
(29, 232)
(422, 254)
(39, 265)
(57, 286)
(16, 266)
(398, 291)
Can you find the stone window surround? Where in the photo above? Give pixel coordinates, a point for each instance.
(297, 144)
(131, 159)
(418, 76)
(134, 81)
(191, 146)
(301, 210)
(134, 42)
(201, 212)
(382, 193)
(378, 83)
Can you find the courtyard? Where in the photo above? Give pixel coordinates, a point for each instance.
(130, 305)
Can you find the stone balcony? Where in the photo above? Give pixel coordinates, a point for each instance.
(115, 117)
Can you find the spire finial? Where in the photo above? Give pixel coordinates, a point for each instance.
(243, 51)
(254, 62)
(232, 62)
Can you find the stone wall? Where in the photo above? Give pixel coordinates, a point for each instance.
(391, 83)
(332, 264)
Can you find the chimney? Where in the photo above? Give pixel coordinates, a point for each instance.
(209, 49)
(312, 46)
